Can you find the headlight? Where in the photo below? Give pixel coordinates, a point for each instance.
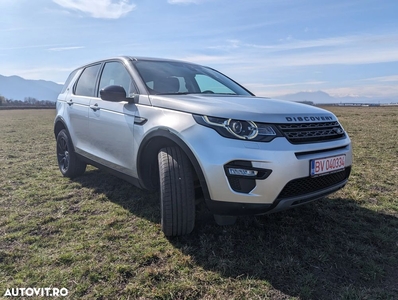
(239, 129)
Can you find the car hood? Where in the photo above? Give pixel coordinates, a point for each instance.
(243, 108)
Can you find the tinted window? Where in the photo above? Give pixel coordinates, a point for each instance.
(208, 84)
(67, 82)
(170, 77)
(86, 84)
(115, 73)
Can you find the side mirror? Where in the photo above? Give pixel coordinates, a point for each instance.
(114, 93)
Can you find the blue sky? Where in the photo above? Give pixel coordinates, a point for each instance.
(272, 47)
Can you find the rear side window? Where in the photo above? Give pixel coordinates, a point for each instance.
(86, 84)
(67, 82)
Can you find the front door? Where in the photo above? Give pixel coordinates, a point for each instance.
(111, 124)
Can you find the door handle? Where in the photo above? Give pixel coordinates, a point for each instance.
(95, 107)
(70, 102)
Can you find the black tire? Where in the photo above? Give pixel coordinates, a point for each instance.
(69, 164)
(177, 193)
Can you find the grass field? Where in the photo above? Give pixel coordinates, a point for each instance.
(100, 237)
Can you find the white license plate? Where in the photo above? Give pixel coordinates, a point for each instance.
(323, 166)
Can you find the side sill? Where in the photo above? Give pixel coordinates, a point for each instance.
(118, 174)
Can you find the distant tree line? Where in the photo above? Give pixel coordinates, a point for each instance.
(28, 101)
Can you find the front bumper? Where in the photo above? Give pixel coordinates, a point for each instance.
(280, 204)
(288, 185)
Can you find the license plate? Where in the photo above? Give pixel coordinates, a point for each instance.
(323, 166)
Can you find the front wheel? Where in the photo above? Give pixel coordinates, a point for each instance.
(69, 164)
(177, 194)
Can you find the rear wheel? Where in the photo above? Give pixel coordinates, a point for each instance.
(69, 164)
(177, 193)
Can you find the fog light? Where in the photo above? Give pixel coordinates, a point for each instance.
(242, 172)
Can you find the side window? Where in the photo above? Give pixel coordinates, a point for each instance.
(207, 83)
(115, 73)
(67, 82)
(86, 84)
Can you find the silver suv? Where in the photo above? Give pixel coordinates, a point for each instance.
(192, 133)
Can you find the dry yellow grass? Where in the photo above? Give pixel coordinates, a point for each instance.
(100, 237)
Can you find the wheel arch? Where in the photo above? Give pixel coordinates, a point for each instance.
(59, 124)
(147, 164)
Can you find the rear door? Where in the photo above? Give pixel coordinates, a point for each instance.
(78, 101)
(111, 123)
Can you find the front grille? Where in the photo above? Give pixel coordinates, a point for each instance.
(307, 185)
(311, 132)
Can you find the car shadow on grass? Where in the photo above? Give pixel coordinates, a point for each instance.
(140, 202)
(328, 249)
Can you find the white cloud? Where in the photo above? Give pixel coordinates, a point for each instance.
(346, 50)
(12, 29)
(272, 69)
(388, 91)
(50, 47)
(184, 1)
(227, 46)
(65, 48)
(105, 9)
(279, 89)
(277, 85)
(392, 78)
(205, 59)
(341, 56)
(365, 91)
(292, 44)
(26, 47)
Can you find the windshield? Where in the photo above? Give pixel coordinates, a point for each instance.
(170, 77)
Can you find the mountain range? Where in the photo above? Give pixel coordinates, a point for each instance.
(320, 97)
(18, 88)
